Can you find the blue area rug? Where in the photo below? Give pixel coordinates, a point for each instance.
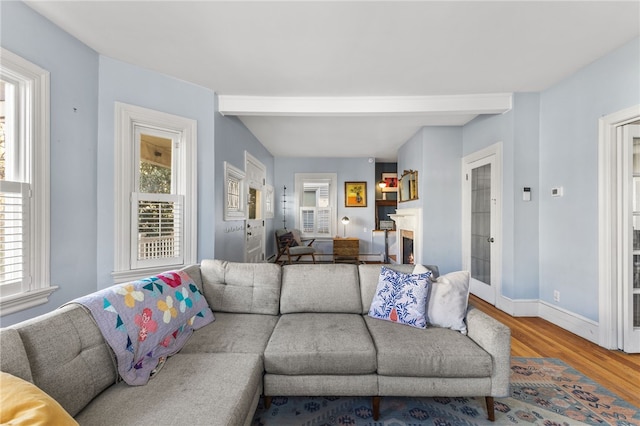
(544, 391)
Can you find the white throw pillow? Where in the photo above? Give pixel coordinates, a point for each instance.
(448, 300)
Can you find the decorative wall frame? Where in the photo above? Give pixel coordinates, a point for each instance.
(408, 186)
(391, 179)
(234, 193)
(355, 194)
(269, 202)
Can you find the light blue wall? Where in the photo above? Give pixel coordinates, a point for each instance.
(347, 169)
(518, 132)
(133, 85)
(435, 153)
(569, 114)
(232, 139)
(74, 127)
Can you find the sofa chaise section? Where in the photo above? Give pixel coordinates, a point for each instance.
(191, 389)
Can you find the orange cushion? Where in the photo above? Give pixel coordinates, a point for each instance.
(23, 403)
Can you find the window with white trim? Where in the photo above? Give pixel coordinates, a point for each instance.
(24, 184)
(316, 197)
(156, 183)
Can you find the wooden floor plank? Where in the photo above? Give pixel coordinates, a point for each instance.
(535, 337)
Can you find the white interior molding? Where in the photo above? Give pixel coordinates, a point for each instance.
(409, 220)
(607, 214)
(492, 103)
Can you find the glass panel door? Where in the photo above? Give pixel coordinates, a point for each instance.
(481, 224)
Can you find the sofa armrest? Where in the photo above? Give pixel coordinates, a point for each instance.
(495, 338)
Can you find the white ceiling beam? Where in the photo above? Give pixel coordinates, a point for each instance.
(493, 103)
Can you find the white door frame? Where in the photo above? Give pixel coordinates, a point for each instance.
(608, 195)
(494, 150)
(255, 177)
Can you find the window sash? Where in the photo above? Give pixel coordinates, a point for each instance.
(315, 221)
(157, 230)
(14, 238)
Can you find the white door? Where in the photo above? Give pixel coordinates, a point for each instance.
(629, 282)
(481, 204)
(254, 226)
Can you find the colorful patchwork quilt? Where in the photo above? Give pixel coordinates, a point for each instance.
(147, 320)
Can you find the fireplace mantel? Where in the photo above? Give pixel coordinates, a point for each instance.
(409, 220)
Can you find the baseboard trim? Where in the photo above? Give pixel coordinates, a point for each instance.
(570, 321)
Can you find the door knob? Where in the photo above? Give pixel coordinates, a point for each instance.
(490, 240)
(248, 233)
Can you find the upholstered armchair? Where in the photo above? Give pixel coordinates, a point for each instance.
(290, 243)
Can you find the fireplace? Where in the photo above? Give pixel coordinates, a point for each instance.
(407, 247)
(409, 244)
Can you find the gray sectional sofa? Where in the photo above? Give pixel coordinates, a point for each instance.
(279, 331)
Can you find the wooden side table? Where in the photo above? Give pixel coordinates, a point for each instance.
(346, 249)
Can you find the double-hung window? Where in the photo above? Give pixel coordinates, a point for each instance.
(316, 196)
(24, 184)
(156, 183)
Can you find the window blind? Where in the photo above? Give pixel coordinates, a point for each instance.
(157, 229)
(14, 237)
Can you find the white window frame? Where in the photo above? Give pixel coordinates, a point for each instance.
(34, 140)
(300, 179)
(129, 118)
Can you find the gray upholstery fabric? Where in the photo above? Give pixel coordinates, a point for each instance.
(69, 359)
(13, 357)
(233, 333)
(320, 288)
(194, 272)
(241, 287)
(191, 389)
(434, 386)
(495, 338)
(320, 385)
(433, 352)
(320, 344)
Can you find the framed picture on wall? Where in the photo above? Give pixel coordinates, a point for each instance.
(355, 194)
(391, 179)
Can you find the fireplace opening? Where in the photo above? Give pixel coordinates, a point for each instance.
(407, 247)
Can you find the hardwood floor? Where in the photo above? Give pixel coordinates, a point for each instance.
(535, 337)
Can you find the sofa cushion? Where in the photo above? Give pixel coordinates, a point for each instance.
(448, 300)
(318, 343)
(193, 389)
(401, 298)
(69, 359)
(432, 352)
(23, 403)
(327, 288)
(369, 275)
(252, 288)
(13, 358)
(233, 333)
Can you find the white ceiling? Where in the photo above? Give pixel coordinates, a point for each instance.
(352, 49)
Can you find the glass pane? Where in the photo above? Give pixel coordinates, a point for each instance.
(159, 225)
(636, 156)
(8, 154)
(636, 271)
(636, 193)
(155, 164)
(636, 310)
(481, 223)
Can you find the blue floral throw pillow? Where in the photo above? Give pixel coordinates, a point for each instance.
(401, 298)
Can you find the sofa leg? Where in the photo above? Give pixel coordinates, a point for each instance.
(490, 411)
(376, 407)
(267, 402)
